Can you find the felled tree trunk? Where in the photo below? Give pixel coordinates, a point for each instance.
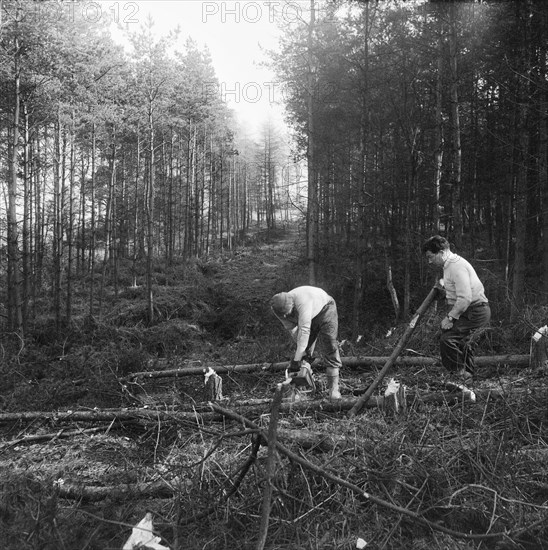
(151, 416)
(161, 370)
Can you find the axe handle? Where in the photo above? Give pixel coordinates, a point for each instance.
(397, 350)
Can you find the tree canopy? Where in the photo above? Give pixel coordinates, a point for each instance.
(412, 119)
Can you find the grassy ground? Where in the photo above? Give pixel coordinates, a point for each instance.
(447, 475)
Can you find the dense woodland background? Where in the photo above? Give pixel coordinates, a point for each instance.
(413, 119)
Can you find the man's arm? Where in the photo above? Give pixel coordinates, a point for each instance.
(303, 330)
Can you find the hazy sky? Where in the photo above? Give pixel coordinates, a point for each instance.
(234, 32)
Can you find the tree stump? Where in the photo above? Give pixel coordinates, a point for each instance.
(539, 350)
(395, 402)
(214, 385)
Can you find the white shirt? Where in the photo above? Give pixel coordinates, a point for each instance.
(308, 302)
(462, 285)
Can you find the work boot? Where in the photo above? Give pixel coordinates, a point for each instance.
(332, 374)
(465, 376)
(460, 382)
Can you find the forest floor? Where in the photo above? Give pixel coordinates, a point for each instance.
(85, 453)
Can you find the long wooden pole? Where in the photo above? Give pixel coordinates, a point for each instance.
(397, 350)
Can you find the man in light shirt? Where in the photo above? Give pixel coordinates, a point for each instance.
(468, 307)
(308, 312)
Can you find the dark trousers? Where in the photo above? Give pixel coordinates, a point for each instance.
(456, 349)
(326, 327)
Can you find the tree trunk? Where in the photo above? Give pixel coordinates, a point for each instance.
(457, 226)
(107, 259)
(312, 201)
(93, 229)
(149, 216)
(136, 232)
(27, 222)
(15, 312)
(57, 223)
(365, 125)
(438, 154)
(543, 146)
(70, 224)
(522, 79)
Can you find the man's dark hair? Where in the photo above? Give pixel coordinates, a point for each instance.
(435, 244)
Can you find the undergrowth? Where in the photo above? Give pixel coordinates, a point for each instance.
(479, 470)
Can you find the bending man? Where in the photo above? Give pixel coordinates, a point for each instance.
(308, 312)
(468, 307)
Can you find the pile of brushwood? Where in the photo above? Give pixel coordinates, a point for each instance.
(90, 441)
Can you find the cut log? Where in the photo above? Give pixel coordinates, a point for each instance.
(352, 362)
(395, 402)
(539, 350)
(214, 386)
(323, 442)
(75, 491)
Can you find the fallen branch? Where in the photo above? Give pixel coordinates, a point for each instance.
(367, 496)
(157, 489)
(102, 415)
(76, 491)
(51, 436)
(203, 411)
(270, 467)
(323, 441)
(360, 361)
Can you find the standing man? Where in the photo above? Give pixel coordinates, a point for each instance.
(468, 307)
(308, 312)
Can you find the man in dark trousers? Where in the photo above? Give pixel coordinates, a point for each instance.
(308, 312)
(468, 307)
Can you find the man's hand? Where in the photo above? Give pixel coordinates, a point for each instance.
(446, 323)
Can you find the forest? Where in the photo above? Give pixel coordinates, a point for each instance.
(411, 120)
(143, 231)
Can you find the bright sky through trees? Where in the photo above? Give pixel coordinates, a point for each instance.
(235, 32)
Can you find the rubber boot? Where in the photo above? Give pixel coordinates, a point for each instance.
(332, 374)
